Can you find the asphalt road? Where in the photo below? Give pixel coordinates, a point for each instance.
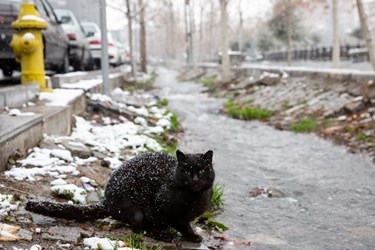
(325, 196)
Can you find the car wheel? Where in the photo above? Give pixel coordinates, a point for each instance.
(8, 72)
(65, 66)
(90, 63)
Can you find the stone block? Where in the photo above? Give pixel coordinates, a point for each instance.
(20, 132)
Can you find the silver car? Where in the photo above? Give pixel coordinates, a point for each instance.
(79, 50)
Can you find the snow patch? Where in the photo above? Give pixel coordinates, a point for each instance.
(33, 18)
(105, 243)
(71, 191)
(28, 36)
(7, 204)
(17, 112)
(60, 97)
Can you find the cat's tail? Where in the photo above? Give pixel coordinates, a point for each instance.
(68, 211)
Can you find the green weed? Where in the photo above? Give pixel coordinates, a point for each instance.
(304, 126)
(208, 82)
(207, 219)
(163, 102)
(238, 111)
(217, 198)
(209, 223)
(363, 137)
(168, 144)
(137, 241)
(175, 123)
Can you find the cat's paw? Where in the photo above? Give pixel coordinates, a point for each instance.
(194, 238)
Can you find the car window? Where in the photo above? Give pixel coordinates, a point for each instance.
(40, 8)
(65, 17)
(89, 28)
(50, 12)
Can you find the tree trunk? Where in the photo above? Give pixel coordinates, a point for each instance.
(224, 41)
(240, 28)
(201, 50)
(336, 41)
(130, 34)
(142, 37)
(187, 30)
(211, 31)
(366, 32)
(289, 25)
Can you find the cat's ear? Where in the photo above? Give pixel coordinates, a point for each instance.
(208, 155)
(181, 157)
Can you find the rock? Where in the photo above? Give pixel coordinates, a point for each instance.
(190, 246)
(65, 234)
(269, 79)
(354, 106)
(25, 234)
(77, 149)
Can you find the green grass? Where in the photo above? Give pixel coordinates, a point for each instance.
(238, 111)
(137, 241)
(145, 85)
(208, 82)
(304, 126)
(217, 198)
(207, 219)
(168, 144)
(363, 137)
(175, 123)
(163, 102)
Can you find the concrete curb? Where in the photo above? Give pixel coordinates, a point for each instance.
(16, 96)
(25, 132)
(336, 74)
(19, 132)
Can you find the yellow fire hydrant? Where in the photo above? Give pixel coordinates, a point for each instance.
(28, 45)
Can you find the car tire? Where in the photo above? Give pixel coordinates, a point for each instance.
(65, 66)
(8, 72)
(90, 64)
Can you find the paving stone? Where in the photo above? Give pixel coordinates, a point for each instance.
(25, 234)
(65, 234)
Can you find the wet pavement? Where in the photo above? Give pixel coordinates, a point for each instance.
(326, 196)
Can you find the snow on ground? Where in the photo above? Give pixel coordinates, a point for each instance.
(83, 84)
(60, 97)
(109, 139)
(105, 243)
(17, 112)
(41, 162)
(7, 204)
(70, 191)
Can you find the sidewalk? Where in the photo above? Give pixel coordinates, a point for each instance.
(28, 114)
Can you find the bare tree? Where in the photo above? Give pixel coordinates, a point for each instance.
(366, 32)
(142, 37)
(224, 40)
(289, 30)
(240, 27)
(336, 41)
(130, 34)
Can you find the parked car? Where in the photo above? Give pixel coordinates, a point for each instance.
(93, 34)
(79, 49)
(56, 51)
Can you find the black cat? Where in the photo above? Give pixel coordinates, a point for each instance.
(151, 192)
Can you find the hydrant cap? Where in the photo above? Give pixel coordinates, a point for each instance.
(29, 18)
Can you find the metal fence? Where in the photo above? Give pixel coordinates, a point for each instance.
(355, 53)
